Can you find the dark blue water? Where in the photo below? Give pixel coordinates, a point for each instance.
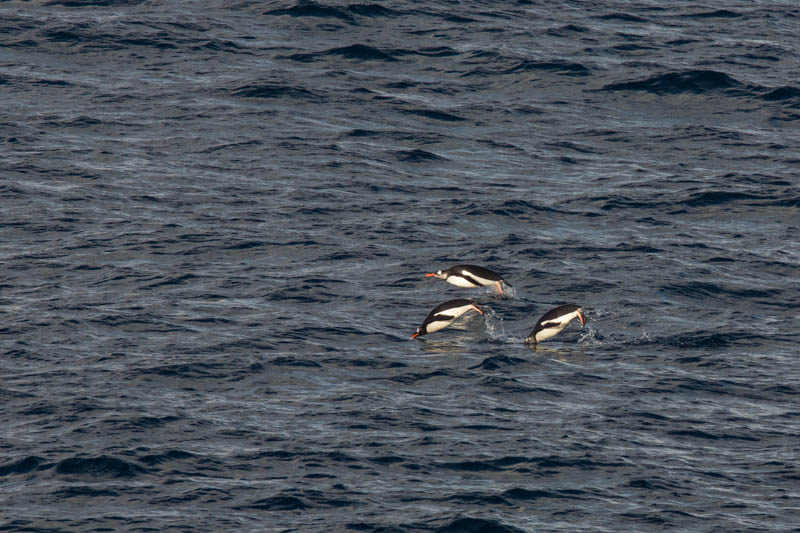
(216, 221)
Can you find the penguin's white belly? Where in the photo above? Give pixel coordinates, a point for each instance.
(458, 281)
(439, 323)
(445, 318)
(552, 331)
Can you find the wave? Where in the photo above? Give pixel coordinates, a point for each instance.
(275, 90)
(22, 466)
(297, 500)
(198, 370)
(705, 290)
(437, 51)
(521, 209)
(718, 197)
(512, 385)
(279, 503)
(477, 498)
(717, 13)
(563, 67)
(167, 457)
(705, 340)
(293, 361)
(416, 377)
(356, 52)
(624, 17)
(689, 81)
(86, 36)
(566, 68)
(468, 524)
(417, 156)
(361, 52)
(706, 82)
(697, 200)
(348, 13)
(787, 202)
(435, 115)
(102, 466)
(517, 463)
(697, 434)
(529, 495)
(782, 93)
(84, 491)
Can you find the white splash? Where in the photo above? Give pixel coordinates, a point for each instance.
(495, 329)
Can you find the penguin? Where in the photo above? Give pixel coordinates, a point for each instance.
(470, 276)
(554, 321)
(445, 314)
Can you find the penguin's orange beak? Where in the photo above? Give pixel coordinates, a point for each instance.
(581, 317)
(478, 309)
(415, 335)
(431, 275)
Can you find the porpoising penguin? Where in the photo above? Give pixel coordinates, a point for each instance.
(445, 314)
(554, 321)
(470, 276)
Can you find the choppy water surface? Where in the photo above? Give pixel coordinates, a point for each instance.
(216, 221)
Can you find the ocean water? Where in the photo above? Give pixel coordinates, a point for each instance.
(216, 222)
